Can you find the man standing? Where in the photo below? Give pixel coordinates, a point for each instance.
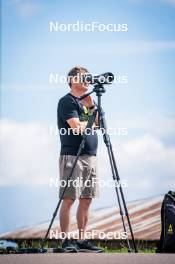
(72, 116)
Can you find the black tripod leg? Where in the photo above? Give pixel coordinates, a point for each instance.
(116, 176)
(81, 147)
(123, 199)
(118, 197)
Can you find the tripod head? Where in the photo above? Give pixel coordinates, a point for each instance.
(98, 82)
(99, 89)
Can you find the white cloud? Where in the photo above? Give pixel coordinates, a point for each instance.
(123, 48)
(29, 154)
(13, 2)
(30, 157)
(133, 47)
(149, 151)
(25, 9)
(171, 2)
(148, 158)
(161, 127)
(145, 162)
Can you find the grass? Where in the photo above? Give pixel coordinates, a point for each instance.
(143, 247)
(125, 250)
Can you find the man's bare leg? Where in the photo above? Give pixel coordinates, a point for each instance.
(65, 215)
(82, 215)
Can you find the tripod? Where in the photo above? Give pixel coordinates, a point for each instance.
(99, 90)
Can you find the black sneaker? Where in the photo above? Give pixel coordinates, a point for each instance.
(86, 246)
(68, 246)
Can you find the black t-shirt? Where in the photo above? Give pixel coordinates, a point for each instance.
(69, 106)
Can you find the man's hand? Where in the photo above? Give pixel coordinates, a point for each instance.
(88, 101)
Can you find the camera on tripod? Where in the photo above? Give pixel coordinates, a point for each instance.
(104, 78)
(98, 81)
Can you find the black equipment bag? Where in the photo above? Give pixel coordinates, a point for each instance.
(167, 238)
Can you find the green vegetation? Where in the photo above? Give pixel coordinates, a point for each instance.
(143, 246)
(125, 250)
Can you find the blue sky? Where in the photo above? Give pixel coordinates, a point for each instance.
(145, 105)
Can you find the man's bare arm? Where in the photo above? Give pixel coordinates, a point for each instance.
(78, 125)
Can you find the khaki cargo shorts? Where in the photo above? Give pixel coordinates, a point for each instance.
(84, 181)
